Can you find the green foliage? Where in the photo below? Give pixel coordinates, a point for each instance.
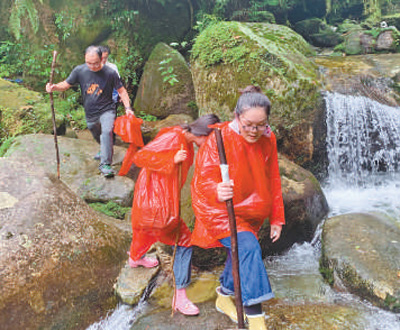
(129, 64)
(64, 25)
(204, 21)
(69, 107)
(146, 116)
(5, 144)
(123, 19)
(167, 71)
(34, 65)
(19, 10)
(111, 209)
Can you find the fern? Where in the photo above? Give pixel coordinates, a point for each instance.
(20, 10)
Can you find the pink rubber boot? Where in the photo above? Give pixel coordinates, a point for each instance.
(182, 304)
(145, 262)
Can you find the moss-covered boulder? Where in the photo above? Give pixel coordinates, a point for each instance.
(59, 258)
(23, 111)
(361, 253)
(229, 56)
(166, 85)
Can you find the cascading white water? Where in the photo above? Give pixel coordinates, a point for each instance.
(363, 145)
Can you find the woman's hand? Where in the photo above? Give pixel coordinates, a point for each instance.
(180, 156)
(275, 232)
(225, 191)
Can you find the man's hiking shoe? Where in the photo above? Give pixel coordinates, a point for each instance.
(106, 170)
(97, 156)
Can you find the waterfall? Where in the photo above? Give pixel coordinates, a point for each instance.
(363, 147)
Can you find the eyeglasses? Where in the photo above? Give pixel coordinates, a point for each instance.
(251, 128)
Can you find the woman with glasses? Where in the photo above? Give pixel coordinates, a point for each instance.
(255, 187)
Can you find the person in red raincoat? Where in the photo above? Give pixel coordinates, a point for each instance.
(165, 162)
(255, 187)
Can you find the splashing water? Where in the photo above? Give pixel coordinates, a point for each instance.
(363, 145)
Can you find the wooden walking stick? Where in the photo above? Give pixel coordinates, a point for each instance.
(53, 65)
(179, 231)
(232, 225)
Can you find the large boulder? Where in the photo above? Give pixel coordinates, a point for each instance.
(166, 85)
(305, 208)
(361, 254)
(229, 56)
(78, 170)
(59, 258)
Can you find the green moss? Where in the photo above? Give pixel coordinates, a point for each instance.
(111, 209)
(5, 144)
(270, 56)
(392, 303)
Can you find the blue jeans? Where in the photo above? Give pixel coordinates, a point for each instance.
(102, 131)
(182, 266)
(254, 280)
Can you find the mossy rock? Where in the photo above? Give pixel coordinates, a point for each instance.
(308, 27)
(230, 55)
(23, 111)
(166, 85)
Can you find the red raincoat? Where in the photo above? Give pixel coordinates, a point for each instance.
(253, 167)
(128, 128)
(155, 210)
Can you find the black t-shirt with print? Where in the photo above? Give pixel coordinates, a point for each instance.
(96, 88)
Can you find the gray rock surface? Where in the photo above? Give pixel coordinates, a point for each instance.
(361, 253)
(78, 170)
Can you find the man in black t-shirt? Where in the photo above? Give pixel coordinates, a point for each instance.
(97, 82)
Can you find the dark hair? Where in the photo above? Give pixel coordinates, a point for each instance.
(200, 126)
(94, 49)
(105, 49)
(252, 97)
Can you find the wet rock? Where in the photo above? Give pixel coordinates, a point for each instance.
(305, 207)
(132, 282)
(279, 314)
(208, 319)
(59, 258)
(166, 85)
(385, 40)
(78, 170)
(361, 253)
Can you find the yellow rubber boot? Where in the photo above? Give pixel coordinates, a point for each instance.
(225, 305)
(256, 322)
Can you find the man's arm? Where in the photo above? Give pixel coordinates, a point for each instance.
(60, 87)
(123, 94)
